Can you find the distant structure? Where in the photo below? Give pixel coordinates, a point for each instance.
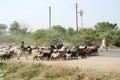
(76, 16)
(49, 17)
(81, 15)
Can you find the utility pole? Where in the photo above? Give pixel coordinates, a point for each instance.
(81, 14)
(76, 17)
(49, 17)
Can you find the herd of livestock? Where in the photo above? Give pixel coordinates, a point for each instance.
(51, 52)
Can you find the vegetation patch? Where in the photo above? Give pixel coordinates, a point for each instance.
(23, 71)
(59, 34)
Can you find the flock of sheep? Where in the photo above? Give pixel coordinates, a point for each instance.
(59, 52)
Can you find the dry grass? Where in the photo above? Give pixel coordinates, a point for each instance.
(24, 71)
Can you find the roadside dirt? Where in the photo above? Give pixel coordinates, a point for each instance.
(95, 62)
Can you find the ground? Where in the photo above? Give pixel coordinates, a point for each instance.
(111, 64)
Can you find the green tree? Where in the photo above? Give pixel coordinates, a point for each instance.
(58, 34)
(24, 29)
(55, 35)
(16, 28)
(70, 31)
(105, 26)
(113, 37)
(88, 36)
(105, 30)
(116, 39)
(3, 28)
(39, 34)
(59, 28)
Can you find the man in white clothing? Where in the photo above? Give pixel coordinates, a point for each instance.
(103, 46)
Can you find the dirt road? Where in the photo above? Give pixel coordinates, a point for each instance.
(111, 64)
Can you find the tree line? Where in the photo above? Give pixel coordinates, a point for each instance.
(59, 34)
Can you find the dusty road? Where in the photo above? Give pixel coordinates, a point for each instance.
(105, 61)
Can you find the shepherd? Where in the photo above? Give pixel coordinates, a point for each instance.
(22, 50)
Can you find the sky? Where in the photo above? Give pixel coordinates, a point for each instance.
(35, 13)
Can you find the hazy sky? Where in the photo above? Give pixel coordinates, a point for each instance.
(35, 12)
